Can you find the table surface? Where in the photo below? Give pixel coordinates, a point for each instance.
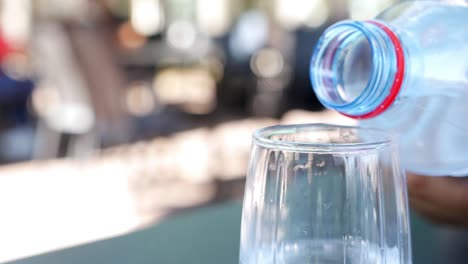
(211, 235)
(205, 235)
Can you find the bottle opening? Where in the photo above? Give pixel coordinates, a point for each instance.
(356, 66)
(354, 63)
(344, 65)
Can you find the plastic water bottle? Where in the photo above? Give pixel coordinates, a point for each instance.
(406, 71)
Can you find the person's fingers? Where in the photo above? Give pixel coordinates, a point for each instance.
(436, 214)
(449, 192)
(442, 199)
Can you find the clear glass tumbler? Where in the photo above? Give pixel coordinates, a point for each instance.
(324, 194)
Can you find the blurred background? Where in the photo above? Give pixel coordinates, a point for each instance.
(116, 115)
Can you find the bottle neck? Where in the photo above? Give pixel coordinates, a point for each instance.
(358, 68)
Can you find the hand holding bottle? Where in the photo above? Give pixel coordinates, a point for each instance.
(443, 200)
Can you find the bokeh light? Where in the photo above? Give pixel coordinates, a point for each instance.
(147, 16)
(139, 99)
(181, 34)
(267, 63)
(129, 38)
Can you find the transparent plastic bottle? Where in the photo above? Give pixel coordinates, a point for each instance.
(405, 71)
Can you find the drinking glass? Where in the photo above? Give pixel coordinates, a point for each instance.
(323, 193)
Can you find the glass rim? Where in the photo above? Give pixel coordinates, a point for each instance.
(263, 138)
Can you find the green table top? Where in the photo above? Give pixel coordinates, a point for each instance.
(207, 235)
